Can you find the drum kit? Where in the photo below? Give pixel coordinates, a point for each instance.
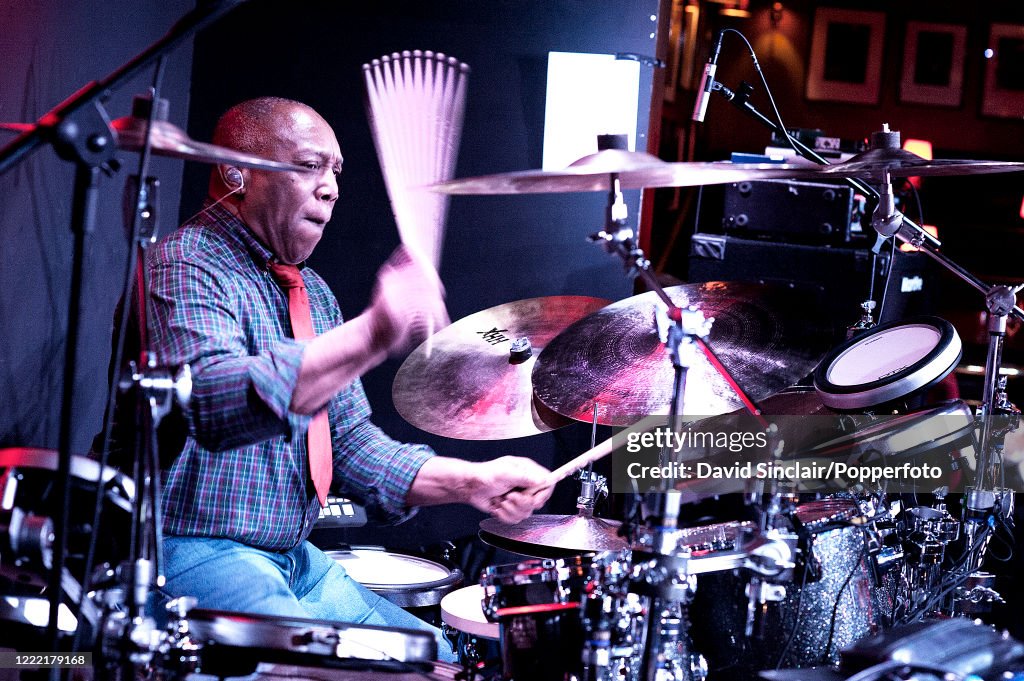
(803, 575)
(802, 572)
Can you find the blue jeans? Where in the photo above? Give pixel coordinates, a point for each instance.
(226, 575)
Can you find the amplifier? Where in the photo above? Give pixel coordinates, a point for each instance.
(787, 210)
(836, 280)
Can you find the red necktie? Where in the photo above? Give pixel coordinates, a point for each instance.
(289, 278)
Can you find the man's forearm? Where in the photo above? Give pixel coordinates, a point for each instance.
(333, 360)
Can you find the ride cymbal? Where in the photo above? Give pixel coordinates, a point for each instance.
(635, 170)
(902, 163)
(767, 336)
(466, 383)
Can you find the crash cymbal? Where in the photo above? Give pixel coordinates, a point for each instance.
(170, 140)
(635, 170)
(465, 383)
(767, 336)
(902, 163)
(554, 535)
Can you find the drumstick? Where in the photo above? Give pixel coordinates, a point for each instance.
(565, 470)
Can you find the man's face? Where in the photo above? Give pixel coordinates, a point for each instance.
(289, 210)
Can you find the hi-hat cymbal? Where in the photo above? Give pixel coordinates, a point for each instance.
(635, 170)
(465, 383)
(767, 336)
(554, 535)
(902, 163)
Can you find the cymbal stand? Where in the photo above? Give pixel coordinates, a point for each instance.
(997, 416)
(592, 485)
(128, 637)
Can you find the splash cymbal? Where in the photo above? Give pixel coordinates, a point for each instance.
(465, 382)
(767, 336)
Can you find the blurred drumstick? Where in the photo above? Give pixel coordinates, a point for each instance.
(415, 102)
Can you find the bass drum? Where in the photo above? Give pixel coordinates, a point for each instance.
(836, 597)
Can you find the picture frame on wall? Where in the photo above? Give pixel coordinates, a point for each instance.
(1003, 94)
(846, 56)
(682, 39)
(933, 64)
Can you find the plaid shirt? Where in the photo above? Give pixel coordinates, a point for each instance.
(243, 473)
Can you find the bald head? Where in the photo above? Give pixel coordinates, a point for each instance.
(249, 126)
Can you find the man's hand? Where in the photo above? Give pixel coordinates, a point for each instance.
(407, 305)
(510, 488)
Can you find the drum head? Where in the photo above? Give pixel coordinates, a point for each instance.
(888, 362)
(404, 579)
(463, 609)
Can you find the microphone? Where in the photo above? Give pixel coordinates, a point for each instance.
(707, 81)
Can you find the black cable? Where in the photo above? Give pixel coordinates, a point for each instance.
(917, 200)
(799, 607)
(888, 277)
(767, 90)
(950, 582)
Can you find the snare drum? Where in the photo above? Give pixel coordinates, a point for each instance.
(888, 362)
(405, 579)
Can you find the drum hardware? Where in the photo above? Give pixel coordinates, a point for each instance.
(29, 537)
(222, 643)
(866, 321)
(883, 160)
(976, 595)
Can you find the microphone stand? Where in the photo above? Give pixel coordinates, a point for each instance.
(996, 416)
(80, 132)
